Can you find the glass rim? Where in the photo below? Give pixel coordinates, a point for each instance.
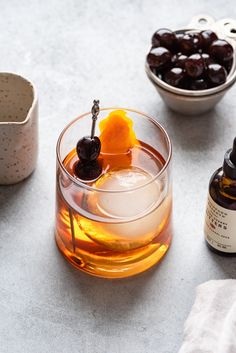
(91, 188)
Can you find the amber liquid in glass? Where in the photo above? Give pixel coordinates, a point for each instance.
(87, 232)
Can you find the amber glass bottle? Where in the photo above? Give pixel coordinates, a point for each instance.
(220, 219)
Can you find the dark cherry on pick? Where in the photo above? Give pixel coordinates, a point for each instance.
(88, 148)
(88, 171)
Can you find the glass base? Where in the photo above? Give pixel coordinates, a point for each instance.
(116, 265)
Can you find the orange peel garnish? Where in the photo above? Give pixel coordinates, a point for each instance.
(117, 134)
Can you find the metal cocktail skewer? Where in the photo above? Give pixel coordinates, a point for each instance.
(95, 111)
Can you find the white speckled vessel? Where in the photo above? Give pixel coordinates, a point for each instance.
(18, 128)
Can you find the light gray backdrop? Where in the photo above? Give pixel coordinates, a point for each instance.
(76, 51)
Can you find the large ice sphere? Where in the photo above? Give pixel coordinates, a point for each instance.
(134, 207)
(128, 197)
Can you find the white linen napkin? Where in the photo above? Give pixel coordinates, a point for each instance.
(211, 324)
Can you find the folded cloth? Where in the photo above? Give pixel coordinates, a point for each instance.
(211, 324)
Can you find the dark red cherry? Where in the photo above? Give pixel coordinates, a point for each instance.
(180, 60)
(88, 170)
(221, 51)
(228, 65)
(190, 43)
(208, 37)
(165, 38)
(186, 44)
(155, 42)
(159, 74)
(179, 36)
(184, 84)
(88, 148)
(174, 59)
(207, 59)
(174, 76)
(216, 74)
(194, 65)
(159, 57)
(198, 84)
(197, 40)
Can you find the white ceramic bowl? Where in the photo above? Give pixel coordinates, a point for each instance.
(190, 102)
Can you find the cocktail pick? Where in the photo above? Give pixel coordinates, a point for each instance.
(95, 111)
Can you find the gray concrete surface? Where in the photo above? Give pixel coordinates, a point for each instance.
(75, 51)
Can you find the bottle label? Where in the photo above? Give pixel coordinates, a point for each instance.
(220, 227)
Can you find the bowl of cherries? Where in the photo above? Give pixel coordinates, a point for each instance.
(193, 68)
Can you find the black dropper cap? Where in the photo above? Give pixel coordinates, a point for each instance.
(229, 166)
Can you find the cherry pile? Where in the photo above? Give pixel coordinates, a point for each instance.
(191, 60)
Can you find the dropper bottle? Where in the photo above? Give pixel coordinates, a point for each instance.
(220, 219)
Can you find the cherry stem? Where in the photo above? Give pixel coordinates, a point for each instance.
(95, 111)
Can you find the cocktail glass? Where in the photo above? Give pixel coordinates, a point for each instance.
(121, 224)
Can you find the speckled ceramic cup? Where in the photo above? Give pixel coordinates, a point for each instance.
(18, 128)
